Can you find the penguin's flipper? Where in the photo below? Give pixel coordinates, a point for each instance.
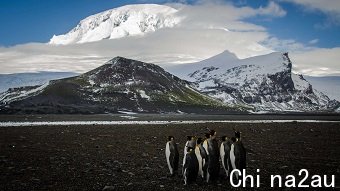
(185, 168)
(171, 157)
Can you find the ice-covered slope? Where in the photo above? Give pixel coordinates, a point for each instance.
(30, 79)
(129, 20)
(182, 70)
(265, 83)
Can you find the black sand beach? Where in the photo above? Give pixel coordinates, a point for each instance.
(131, 157)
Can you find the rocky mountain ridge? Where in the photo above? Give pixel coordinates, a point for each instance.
(265, 83)
(219, 85)
(119, 85)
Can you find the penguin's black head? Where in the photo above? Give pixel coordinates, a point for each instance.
(212, 132)
(189, 138)
(224, 138)
(170, 138)
(238, 134)
(233, 139)
(207, 135)
(199, 140)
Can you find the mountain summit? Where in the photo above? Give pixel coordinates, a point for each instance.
(129, 20)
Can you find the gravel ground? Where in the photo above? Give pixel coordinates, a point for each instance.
(131, 157)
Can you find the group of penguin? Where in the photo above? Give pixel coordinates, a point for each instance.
(202, 157)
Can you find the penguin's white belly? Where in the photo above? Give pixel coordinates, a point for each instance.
(222, 154)
(232, 157)
(185, 148)
(185, 151)
(205, 146)
(167, 154)
(200, 162)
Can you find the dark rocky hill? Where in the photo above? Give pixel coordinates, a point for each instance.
(119, 85)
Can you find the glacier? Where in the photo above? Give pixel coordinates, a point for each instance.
(129, 20)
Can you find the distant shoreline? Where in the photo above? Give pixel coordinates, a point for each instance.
(132, 118)
(68, 123)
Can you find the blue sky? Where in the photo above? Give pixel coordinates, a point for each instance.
(37, 20)
(301, 25)
(26, 21)
(308, 29)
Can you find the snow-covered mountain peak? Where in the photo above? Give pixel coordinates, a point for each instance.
(129, 20)
(223, 57)
(115, 60)
(231, 70)
(225, 61)
(264, 82)
(219, 60)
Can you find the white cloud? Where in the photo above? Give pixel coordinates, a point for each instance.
(284, 45)
(317, 62)
(314, 41)
(201, 35)
(273, 9)
(329, 7)
(164, 46)
(308, 59)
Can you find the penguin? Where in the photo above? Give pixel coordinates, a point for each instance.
(238, 135)
(214, 156)
(225, 154)
(205, 151)
(237, 154)
(214, 159)
(201, 157)
(191, 142)
(186, 145)
(172, 155)
(191, 166)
